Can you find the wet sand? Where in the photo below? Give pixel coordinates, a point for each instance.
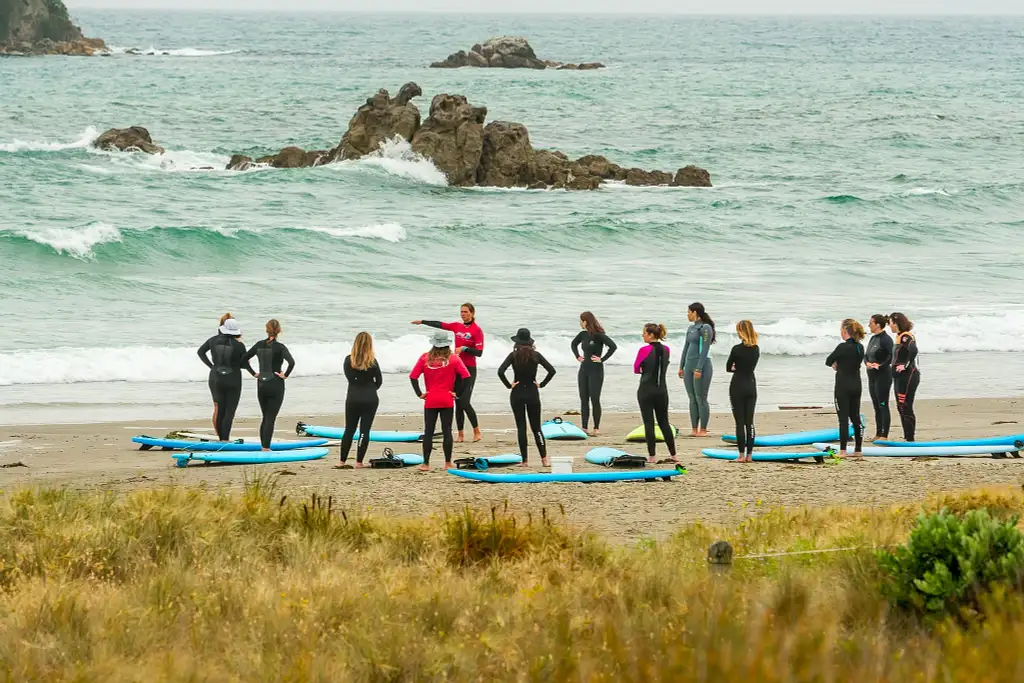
(102, 456)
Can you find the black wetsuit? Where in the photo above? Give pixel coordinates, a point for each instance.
(880, 381)
(463, 406)
(847, 358)
(906, 382)
(360, 407)
(525, 397)
(652, 395)
(271, 355)
(591, 375)
(743, 393)
(226, 359)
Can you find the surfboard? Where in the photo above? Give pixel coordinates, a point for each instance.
(562, 430)
(935, 451)
(795, 439)
(605, 476)
(986, 441)
(488, 461)
(375, 435)
(768, 456)
(148, 442)
(611, 456)
(259, 458)
(638, 434)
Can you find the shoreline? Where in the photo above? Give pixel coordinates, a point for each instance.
(100, 455)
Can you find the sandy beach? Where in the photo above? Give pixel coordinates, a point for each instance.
(102, 456)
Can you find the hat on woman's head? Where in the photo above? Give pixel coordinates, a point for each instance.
(231, 327)
(523, 337)
(440, 339)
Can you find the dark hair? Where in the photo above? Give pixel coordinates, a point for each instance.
(698, 308)
(523, 354)
(902, 322)
(591, 322)
(880, 319)
(472, 309)
(656, 330)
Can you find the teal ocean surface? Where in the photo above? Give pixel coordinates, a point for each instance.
(860, 166)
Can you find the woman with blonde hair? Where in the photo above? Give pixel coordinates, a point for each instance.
(271, 355)
(444, 374)
(846, 360)
(743, 387)
(364, 379)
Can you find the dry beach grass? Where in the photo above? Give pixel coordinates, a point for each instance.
(194, 584)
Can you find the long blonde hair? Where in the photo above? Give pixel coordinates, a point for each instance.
(854, 329)
(362, 352)
(745, 330)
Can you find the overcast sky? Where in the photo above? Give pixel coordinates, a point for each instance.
(587, 6)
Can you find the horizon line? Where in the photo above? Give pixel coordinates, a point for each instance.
(215, 10)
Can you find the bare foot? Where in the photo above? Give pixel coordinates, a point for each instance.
(651, 459)
(525, 463)
(424, 468)
(545, 462)
(596, 432)
(460, 438)
(856, 456)
(449, 465)
(360, 465)
(477, 436)
(702, 434)
(693, 432)
(343, 466)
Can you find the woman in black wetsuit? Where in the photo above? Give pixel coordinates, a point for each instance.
(906, 376)
(592, 358)
(271, 355)
(846, 360)
(525, 396)
(743, 387)
(651, 364)
(364, 379)
(225, 362)
(878, 361)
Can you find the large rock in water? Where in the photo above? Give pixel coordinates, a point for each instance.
(42, 27)
(131, 139)
(692, 176)
(452, 137)
(505, 52)
(506, 157)
(380, 119)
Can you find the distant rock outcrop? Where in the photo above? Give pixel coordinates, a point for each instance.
(455, 139)
(507, 52)
(42, 27)
(134, 139)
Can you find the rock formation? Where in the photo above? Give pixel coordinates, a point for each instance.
(42, 27)
(468, 152)
(507, 52)
(134, 139)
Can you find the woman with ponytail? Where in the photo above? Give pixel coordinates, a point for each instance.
(846, 360)
(878, 361)
(364, 379)
(652, 363)
(906, 376)
(695, 366)
(271, 355)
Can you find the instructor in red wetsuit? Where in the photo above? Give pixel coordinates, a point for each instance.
(469, 345)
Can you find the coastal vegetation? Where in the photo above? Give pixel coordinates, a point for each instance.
(268, 584)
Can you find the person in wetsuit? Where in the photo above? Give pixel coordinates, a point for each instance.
(592, 357)
(443, 373)
(878, 361)
(221, 322)
(652, 363)
(695, 366)
(271, 355)
(364, 379)
(906, 376)
(525, 390)
(226, 354)
(469, 345)
(743, 387)
(846, 360)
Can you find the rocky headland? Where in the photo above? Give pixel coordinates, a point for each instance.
(469, 151)
(43, 27)
(507, 52)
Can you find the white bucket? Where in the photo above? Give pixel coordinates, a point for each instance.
(561, 464)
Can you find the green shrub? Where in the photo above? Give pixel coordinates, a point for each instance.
(950, 562)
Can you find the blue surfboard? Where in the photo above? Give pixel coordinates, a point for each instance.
(375, 435)
(259, 458)
(726, 454)
(222, 446)
(561, 430)
(794, 439)
(986, 441)
(605, 476)
(917, 452)
(606, 456)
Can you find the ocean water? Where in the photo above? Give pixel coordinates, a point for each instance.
(860, 165)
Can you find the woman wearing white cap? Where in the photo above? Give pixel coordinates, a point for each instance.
(442, 372)
(225, 361)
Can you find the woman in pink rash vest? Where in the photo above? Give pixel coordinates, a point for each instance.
(444, 375)
(651, 364)
(469, 345)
